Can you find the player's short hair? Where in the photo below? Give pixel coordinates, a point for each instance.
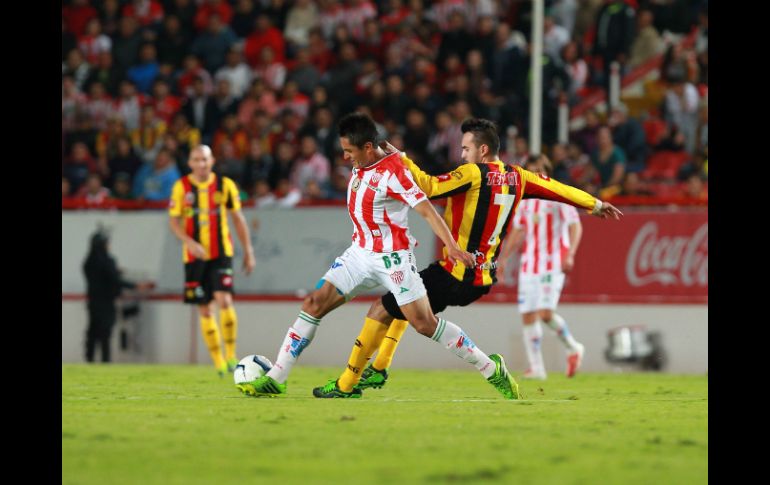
(358, 128)
(484, 133)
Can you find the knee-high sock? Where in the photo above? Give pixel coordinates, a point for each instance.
(210, 333)
(297, 338)
(229, 321)
(456, 341)
(559, 325)
(533, 338)
(367, 342)
(389, 344)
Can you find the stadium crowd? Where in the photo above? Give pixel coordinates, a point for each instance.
(263, 82)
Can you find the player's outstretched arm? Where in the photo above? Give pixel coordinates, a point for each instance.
(242, 229)
(426, 210)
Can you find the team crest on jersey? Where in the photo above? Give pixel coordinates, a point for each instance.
(376, 177)
(356, 184)
(217, 197)
(189, 197)
(397, 277)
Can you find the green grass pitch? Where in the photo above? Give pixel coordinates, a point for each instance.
(153, 424)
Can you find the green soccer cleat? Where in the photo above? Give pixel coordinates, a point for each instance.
(231, 365)
(372, 377)
(330, 390)
(265, 386)
(502, 379)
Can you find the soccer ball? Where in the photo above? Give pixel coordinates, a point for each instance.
(251, 367)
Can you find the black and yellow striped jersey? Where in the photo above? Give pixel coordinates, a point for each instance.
(482, 198)
(203, 208)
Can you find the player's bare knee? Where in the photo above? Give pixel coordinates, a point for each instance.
(204, 310)
(425, 325)
(546, 315)
(315, 304)
(377, 312)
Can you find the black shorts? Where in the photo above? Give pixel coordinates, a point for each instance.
(443, 290)
(203, 278)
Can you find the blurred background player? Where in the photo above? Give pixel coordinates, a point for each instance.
(197, 209)
(550, 233)
(105, 284)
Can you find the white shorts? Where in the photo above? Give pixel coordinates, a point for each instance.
(358, 270)
(540, 291)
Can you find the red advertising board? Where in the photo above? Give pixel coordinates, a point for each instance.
(646, 257)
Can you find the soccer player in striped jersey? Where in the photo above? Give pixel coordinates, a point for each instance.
(198, 211)
(482, 196)
(380, 193)
(550, 233)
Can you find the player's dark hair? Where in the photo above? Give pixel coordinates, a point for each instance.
(358, 128)
(533, 158)
(484, 133)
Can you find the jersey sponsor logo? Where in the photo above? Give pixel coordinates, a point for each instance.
(356, 184)
(376, 189)
(503, 178)
(444, 177)
(397, 277)
(456, 174)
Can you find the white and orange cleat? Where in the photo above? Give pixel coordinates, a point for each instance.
(574, 360)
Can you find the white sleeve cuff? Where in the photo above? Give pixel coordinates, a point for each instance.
(597, 208)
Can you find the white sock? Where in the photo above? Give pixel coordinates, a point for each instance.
(457, 342)
(533, 338)
(297, 338)
(559, 326)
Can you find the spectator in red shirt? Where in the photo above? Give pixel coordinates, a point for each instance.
(264, 35)
(209, 8)
(77, 16)
(148, 13)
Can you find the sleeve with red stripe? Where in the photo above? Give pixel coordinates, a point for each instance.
(177, 200)
(462, 179)
(540, 186)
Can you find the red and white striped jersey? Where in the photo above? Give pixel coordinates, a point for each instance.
(379, 197)
(546, 242)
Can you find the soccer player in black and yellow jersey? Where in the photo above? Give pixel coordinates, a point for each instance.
(482, 196)
(198, 217)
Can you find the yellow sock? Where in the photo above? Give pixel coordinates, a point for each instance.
(229, 330)
(389, 344)
(367, 342)
(211, 337)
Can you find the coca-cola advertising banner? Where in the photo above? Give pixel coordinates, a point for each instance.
(646, 257)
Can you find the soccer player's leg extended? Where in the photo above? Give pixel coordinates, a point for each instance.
(454, 339)
(315, 306)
